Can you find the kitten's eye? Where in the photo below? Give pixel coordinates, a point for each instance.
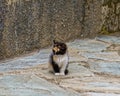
(55, 45)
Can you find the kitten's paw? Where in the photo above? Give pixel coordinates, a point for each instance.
(57, 74)
(62, 73)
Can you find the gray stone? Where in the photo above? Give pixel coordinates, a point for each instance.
(109, 39)
(88, 45)
(100, 94)
(92, 84)
(29, 76)
(27, 25)
(109, 56)
(30, 85)
(110, 17)
(104, 84)
(75, 70)
(105, 67)
(25, 62)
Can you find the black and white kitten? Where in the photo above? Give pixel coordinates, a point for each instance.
(58, 60)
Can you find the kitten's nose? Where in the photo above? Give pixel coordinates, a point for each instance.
(56, 49)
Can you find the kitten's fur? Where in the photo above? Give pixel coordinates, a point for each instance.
(58, 61)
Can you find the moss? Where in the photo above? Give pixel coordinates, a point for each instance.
(110, 2)
(104, 30)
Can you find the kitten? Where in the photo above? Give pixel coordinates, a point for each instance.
(58, 60)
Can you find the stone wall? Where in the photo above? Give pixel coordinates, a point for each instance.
(26, 25)
(111, 15)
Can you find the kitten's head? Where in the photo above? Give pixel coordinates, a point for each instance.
(59, 48)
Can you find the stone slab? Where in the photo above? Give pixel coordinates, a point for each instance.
(40, 57)
(100, 94)
(88, 45)
(109, 39)
(107, 56)
(105, 67)
(100, 86)
(29, 76)
(30, 85)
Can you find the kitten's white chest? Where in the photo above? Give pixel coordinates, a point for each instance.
(61, 59)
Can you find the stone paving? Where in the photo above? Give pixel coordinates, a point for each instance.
(94, 71)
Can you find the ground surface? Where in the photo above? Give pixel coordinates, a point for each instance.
(94, 71)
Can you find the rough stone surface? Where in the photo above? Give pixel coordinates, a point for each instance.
(30, 85)
(107, 67)
(109, 39)
(94, 70)
(111, 13)
(27, 25)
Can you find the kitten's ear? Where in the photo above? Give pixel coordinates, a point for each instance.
(54, 42)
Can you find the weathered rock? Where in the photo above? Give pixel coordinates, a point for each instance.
(37, 58)
(94, 84)
(75, 70)
(109, 39)
(105, 67)
(27, 25)
(30, 85)
(93, 72)
(99, 94)
(87, 45)
(109, 56)
(111, 13)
